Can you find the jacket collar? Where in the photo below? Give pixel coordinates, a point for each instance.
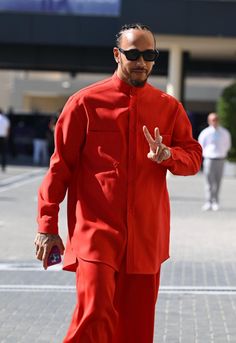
(124, 87)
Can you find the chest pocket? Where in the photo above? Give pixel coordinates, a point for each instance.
(102, 151)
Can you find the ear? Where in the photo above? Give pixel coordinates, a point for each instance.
(116, 54)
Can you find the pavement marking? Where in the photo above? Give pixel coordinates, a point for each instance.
(37, 288)
(22, 179)
(217, 290)
(163, 289)
(14, 266)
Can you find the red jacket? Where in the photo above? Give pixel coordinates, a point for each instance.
(117, 198)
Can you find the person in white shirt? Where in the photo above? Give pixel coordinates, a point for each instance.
(4, 133)
(216, 142)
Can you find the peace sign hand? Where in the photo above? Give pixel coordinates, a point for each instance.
(158, 152)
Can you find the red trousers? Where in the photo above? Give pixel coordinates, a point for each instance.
(112, 307)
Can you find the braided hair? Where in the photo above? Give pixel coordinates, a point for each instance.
(136, 26)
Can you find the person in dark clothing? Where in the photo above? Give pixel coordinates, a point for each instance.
(4, 133)
(50, 134)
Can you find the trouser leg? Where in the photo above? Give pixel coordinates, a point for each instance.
(208, 171)
(40, 151)
(113, 307)
(36, 151)
(219, 168)
(3, 152)
(95, 317)
(135, 300)
(44, 144)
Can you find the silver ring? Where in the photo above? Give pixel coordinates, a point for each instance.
(167, 152)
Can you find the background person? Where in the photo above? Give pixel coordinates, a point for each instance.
(114, 142)
(50, 134)
(40, 140)
(216, 142)
(4, 133)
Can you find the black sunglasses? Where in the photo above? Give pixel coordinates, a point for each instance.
(134, 54)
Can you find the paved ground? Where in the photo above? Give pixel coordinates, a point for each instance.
(197, 299)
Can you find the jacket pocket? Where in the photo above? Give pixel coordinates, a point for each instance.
(102, 151)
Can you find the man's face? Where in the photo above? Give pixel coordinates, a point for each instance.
(136, 72)
(213, 120)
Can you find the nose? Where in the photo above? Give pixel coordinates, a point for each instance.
(141, 61)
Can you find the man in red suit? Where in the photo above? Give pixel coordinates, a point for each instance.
(114, 142)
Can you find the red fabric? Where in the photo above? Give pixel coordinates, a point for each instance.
(117, 197)
(113, 307)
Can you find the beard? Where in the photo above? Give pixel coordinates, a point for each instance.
(138, 83)
(132, 79)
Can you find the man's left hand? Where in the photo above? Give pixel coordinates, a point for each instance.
(158, 152)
